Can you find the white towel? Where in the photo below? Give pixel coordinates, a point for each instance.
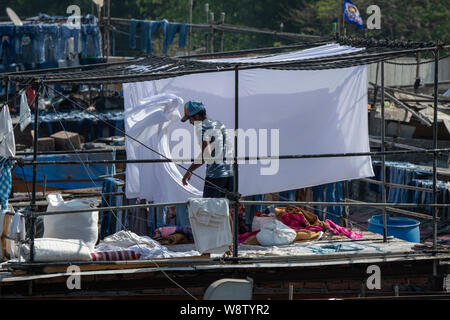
(17, 232)
(2, 221)
(210, 223)
(25, 114)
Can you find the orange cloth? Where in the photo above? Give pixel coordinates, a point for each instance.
(176, 238)
(311, 218)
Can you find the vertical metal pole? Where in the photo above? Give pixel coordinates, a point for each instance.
(33, 206)
(338, 30)
(435, 142)
(211, 21)
(375, 90)
(383, 158)
(207, 33)
(7, 90)
(236, 167)
(108, 30)
(417, 70)
(191, 3)
(222, 21)
(346, 211)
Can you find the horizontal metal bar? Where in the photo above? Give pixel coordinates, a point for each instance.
(404, 212)
(343, 204)
(422, 119)
(394, 185)
(285, 157)
(280, 203)
(306, 62)
(394, 144)
(70, 196)
(68, 152)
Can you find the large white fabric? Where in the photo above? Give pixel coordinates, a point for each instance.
(149, 122)
(210, 223)
(315, 111)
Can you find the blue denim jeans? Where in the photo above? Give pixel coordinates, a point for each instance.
(171, 30)
(67, 33)
(132, 32)
(91, 31)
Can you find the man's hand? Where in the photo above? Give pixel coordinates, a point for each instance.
(187, 176)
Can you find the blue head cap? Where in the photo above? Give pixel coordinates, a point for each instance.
(191, 108)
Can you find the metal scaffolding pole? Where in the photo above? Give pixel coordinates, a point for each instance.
(236, 167)
(383, 157)
(435, 143)
(33, 207)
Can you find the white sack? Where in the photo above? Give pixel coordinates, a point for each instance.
(83, 225)
(275, 233)
(50, 249)
(259, 222)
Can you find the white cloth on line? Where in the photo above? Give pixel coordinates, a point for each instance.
(7, 142)
(315, 111)
(149, 123)
(25, 113)
(210, 223)
(2, 221)
(16, 232)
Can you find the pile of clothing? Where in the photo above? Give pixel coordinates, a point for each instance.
(301, 224)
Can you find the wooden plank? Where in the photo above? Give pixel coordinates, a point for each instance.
(119, 265)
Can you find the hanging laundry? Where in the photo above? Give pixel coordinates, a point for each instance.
(148, 29)
(5, 182)
(149, 122)
(17, 234)
(171, 30)
(137, 218)
(110, 221)
(7, 142)
(25, 114)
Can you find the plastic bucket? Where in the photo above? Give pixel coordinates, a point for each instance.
(401, 228)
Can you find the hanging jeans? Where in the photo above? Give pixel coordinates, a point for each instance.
(110, 221)
(318, 196)
(132, 35)
(171, 30)
(66, 34)
(5, 182)
(91, 31)
(152, 26)
(334, 194)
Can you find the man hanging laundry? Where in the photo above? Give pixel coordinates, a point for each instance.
(213, 137)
